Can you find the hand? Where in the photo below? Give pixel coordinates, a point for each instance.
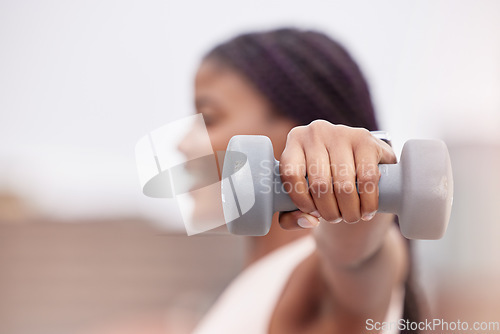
(334, 158)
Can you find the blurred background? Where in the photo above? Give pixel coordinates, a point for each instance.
(82, 250)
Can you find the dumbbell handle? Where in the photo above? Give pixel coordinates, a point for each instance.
(419, 189)
(390, 188)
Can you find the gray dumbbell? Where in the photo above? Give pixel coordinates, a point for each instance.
(419, 189)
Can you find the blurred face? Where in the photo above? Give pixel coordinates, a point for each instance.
(230, 106)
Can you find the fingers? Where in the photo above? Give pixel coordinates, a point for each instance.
(320, 181)
(344, 182)
(293, 175)
(297, 220)
(368, 153)
(341, 165)
(368, 176)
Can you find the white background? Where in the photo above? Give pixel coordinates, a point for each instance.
(82, 81)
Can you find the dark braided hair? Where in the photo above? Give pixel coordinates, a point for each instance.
(306, 76)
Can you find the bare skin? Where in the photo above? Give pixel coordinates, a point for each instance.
(350, 276)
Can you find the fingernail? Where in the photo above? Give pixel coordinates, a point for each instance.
(306, 223)
(369, 216)
(336, 221)
(354, 222)
(315, 214)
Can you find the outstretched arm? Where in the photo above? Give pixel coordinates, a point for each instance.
(363, 255)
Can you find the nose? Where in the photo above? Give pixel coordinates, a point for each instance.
(196, 142)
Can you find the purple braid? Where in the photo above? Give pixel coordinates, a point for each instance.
(304, 74)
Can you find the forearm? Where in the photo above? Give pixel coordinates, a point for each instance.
(361, 263)
(348, 245)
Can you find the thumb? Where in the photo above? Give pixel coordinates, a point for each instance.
(293, 220)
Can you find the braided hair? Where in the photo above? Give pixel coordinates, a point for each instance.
(306, 76)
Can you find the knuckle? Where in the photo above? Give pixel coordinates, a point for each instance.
(340, 133)
(291, 171)
(319, 123)
(365, 133)
(365, 138)
(345, 187)
(319, 185)
(301, 201)
(340, 127)
(289, 182)
(296, 132)
(343, 129)
(317, 127)
(371, 175)
(289, 168)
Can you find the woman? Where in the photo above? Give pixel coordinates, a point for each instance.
(335, 265)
